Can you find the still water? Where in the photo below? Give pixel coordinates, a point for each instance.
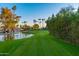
(17, 36)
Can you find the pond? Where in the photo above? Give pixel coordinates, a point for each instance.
(17, 36)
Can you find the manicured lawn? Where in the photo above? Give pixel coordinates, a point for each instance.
(41, 44)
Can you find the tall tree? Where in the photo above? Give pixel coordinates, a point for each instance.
(43, 22)
(14, 8)
(9, 20)
(39, 22)
(23, 23)
(65, 24)
(34, 21)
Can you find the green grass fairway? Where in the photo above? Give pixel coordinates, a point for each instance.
(41, 44)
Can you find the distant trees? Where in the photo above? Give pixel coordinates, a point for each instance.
(24, 22)
(40, 22)
(43, 23)
(34, 21)
(25, 28)
(35, 26)
(65, 24)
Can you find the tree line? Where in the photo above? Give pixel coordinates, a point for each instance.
(65, 24)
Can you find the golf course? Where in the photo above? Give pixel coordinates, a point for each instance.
(39, 29)
(41, 44)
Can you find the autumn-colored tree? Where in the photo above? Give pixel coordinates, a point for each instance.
(35, 26)
(9, 20)
(25, 27)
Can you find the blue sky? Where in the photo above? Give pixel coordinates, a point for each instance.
(30, 11)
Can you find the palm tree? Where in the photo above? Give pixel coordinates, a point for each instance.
(14, 8)
(24, 22)
(39, 22)
(34, 21)
(43, 22)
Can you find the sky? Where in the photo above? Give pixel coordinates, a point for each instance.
(30, 11)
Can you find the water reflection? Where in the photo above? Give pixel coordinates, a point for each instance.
(18, 35)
